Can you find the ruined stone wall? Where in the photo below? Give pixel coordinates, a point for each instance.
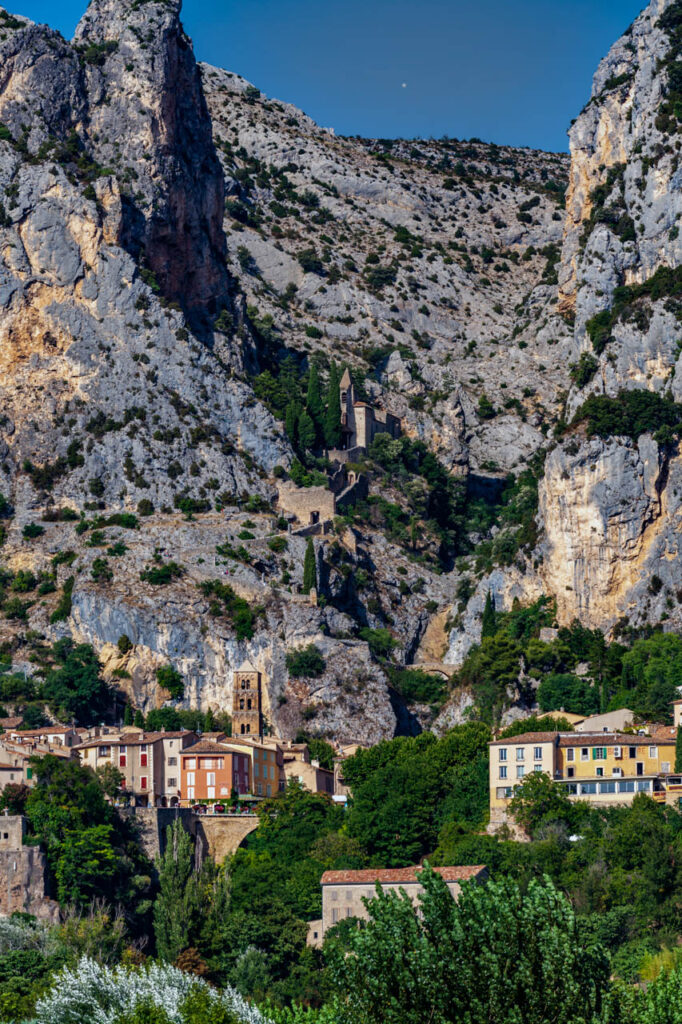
(303, 501)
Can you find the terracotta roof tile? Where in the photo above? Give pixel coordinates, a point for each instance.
(206, 747)
(528, 737)
(396, 876)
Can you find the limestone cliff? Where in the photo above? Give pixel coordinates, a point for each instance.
(610, 507)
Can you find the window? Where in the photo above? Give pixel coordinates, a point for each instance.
(570, 754)
(143, 782)
(598, 753)
(520, 753)
(210, 778)
(104, 751)
(600, 772)
(503, 771)
(256, 769)
(123, 748)
(626, 787)
(572, 788)
(190, 792)
(143, 760)
(644, 787)
(503, 753)
(190, 763)
(122, 760)
(607, 787)
(653, 751)
(219, 763)
(520, 771)
(537, 767)
(505, 793)
(29, 773)
(665, 766)
(538, 754)
(632, 751)
(172, 762)
(584, 753)
(349, 895)
(570, 772)
(190, 778)
(172, 783)
(335, 915)
(588, 787)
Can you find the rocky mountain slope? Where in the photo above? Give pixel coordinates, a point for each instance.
(171, 239)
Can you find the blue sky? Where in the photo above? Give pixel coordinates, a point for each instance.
(507, 72)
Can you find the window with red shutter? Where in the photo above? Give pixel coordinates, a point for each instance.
(143, 760)
(143, 782)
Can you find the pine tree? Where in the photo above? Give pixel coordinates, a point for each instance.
(489, 622)
(306, 432)
(314, 406)
(138, 720)
(309, 568)
(128, 715)
(678, 750)
(332, 420)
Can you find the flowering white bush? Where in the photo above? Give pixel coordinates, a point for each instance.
(16, 933)
(96, 994)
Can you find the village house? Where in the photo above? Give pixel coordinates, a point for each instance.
(343, 892)
(214, 771)
(50, 735)
(148, 762)
(16, 752)
(602, 768)
(299, 765)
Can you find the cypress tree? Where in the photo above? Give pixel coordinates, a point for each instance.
(489, 622)
(678, 750)
(306, 432)
(309, 568)
(332, 420)
(209, 721)
(291, 421)
(128, 715)
(138, 720)
(314, 406)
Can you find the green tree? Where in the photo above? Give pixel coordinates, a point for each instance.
(678, 750)
(314, 404)
(306, 433)
(138, 720)
(332, 419)
(489, 621)
(173, 906)
(87, 863)
(498, 954)
(128, 715)
(74, 688)
(291, 417)
(538, 800)
(170, 679)
(309, 568)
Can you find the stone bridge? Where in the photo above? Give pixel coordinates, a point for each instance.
(217, 835)
(223, 834)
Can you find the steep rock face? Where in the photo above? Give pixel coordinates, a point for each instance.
(610, 507)
(435, 271)
(140, 76)
(609, 518)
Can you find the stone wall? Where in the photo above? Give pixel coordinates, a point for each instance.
(23, 882)
(303, 502)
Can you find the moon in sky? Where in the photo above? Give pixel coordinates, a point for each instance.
(404, 85)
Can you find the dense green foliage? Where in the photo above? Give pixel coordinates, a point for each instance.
(630, 414)
(498, 954)
(508, 665)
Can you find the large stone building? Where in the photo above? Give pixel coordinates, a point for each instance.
(299, 765)
(601, 768)
(214, 771)
(360, 422)
(343, 892)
